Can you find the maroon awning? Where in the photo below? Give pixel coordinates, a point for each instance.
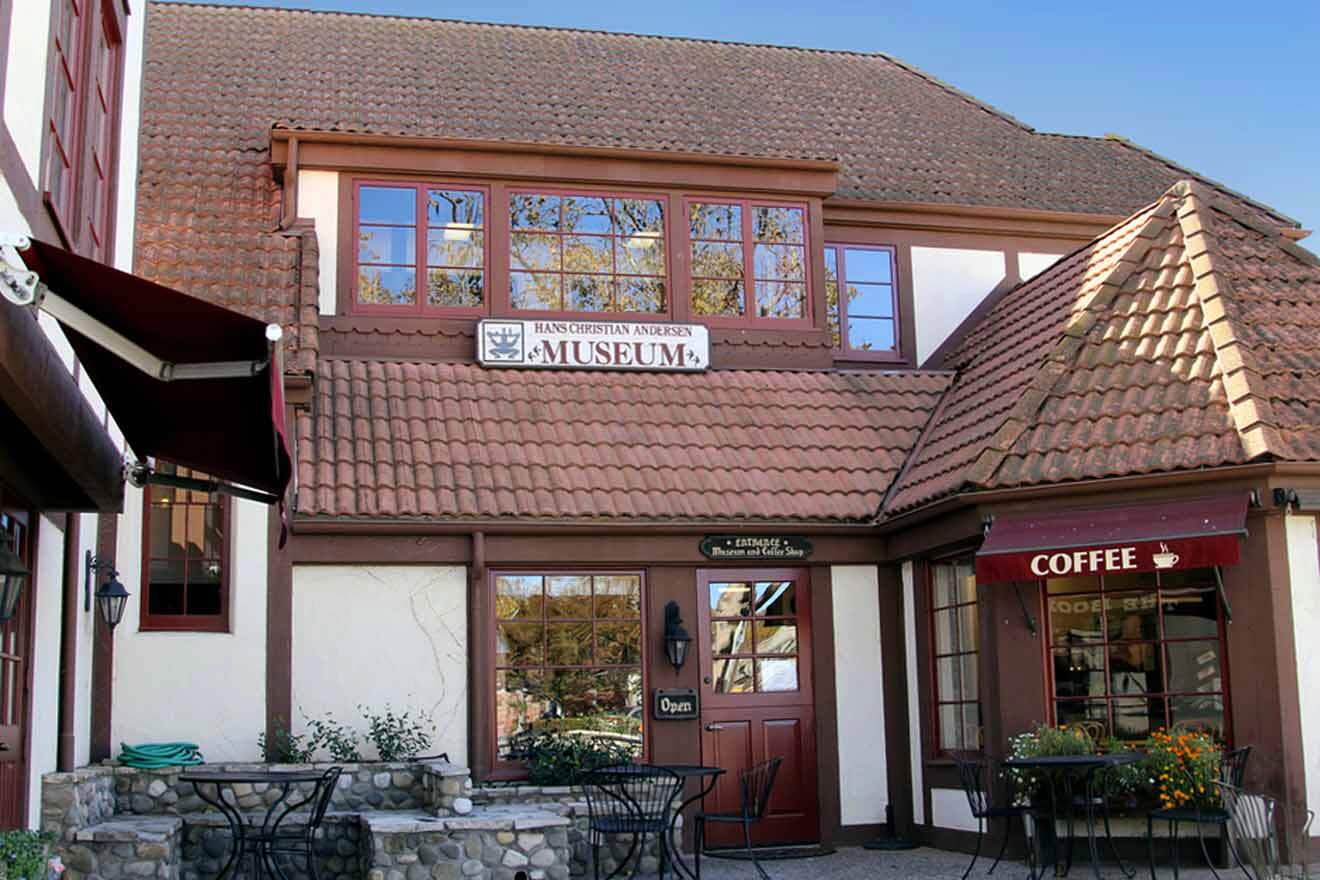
(1166, 536)
(230, 426)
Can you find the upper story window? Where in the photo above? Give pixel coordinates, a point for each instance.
(862, 301)
(954, 624)
(433, 232)
(102, 99)
(572, 252)
(185, 583)
(749, 261)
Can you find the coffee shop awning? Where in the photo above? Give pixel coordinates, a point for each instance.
(186, 381)
(1171, 535)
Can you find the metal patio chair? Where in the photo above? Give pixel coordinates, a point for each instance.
(632, 799)
(756, 785)
(973, 775)
(297, 839)
(1232, 768)
(1253, 834)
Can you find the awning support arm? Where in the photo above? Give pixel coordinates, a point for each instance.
(1223, 596)
(24, 288)
(142, 475)
(1022, 603)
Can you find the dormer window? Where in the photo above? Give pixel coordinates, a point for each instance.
(749, 262)
(434, 232)
(861, 301)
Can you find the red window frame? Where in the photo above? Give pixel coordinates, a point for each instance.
(421, 248)
(149, 622)
(65, 111)
(505, 769)
(846, 351)
(103, 93)
(932, 610)
(1160, 643)
(749, 318)
(663, 198)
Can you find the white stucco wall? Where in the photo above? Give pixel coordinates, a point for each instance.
(45, 589)
(860, 702)
(373, 635)
(913, 706)
(207, 688)
(318, 199)
(949, 809)
(29, 41)
(1304, 575)
(947, 284)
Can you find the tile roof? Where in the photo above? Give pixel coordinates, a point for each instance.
(1185, 337)
(455, 441)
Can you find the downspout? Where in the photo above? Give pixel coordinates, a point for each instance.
(65, 746)
(478, 726)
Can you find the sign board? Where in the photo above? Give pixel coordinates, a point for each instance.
(676, 704)
(1175, 554)
(755, 547)
(593, 345)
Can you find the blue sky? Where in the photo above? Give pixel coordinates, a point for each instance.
(1231, 90)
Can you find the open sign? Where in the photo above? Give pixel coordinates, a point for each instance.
(676, 704)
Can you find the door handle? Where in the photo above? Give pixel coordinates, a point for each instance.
(712, 727)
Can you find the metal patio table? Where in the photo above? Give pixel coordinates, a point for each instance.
(289, 800)
(1063, 774)
(708, 776)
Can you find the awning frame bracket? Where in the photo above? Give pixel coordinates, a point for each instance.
(1223, 595)
(24, 288)
(1027, 617)
(141, 474)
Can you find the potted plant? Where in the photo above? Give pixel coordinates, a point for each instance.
(1042, 741)
(1183, 767)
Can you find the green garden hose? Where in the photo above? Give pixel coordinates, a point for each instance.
(154, 756)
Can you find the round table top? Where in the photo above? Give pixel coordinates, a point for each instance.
(690, 770)
(253, 776)
(1081, 762)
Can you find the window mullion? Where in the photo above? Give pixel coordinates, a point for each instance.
(422, 237)
(749, 263)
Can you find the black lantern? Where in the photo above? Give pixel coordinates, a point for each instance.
(677, 639)
(13, 574)
(112, 598)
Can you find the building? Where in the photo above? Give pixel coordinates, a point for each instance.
(633, 381)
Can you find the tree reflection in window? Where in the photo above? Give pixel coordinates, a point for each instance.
(585, 253)
(735, 241)
(568, 656)
(864, 322)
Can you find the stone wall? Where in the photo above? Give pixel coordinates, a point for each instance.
(77, 799)
(118, 850)
(207, 843)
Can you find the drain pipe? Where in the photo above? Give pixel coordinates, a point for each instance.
(65, 746)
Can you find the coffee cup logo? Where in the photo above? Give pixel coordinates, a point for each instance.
(1165, 559)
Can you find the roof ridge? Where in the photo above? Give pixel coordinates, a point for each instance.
(1056, 364)
(1251, 411)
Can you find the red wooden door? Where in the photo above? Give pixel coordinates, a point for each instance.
(15, 637)
(755, 636)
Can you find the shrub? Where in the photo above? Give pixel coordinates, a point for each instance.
(563, 758)
(24, 855)
(397, 736)
(340, 740)
(1184, 767)
(284, 747)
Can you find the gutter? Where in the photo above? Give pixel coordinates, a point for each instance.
(65, 749)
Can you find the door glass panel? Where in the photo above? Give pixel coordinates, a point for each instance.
(776, 637)
(734, 677)
(776, 599)
(730, 600)
(776, 675)
(730, 637)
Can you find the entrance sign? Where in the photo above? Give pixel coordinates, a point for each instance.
(676, 704)
(593, 345)
(757, 547)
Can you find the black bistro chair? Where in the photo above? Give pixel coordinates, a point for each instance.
(633, 799)
(756, 784)
(286, 834)
(1232, 769)
(973, 772)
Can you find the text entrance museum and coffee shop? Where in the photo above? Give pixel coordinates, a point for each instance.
(724, 437)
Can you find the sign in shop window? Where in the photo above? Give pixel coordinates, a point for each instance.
(675, 704)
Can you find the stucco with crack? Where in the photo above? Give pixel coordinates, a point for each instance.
(382, 634)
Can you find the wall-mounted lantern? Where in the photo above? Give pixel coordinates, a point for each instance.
(111, 597)
(13, 575)
(677, 639)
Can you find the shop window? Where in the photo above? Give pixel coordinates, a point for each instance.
(568, 657)
(749, 262)
(754, 637)
(1135, 652)
(586, 254)
(862, 301)
(955, 640)
(432, 232)
(185, 583)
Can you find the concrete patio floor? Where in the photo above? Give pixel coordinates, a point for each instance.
(855, 863)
